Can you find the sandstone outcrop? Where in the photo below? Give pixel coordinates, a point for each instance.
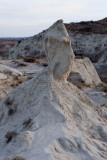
(48, 119)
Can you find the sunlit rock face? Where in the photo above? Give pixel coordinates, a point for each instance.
(58, 50)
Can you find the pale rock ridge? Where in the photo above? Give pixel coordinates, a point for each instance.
(58, 50)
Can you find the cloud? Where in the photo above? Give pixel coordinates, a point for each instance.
(42, 13)
(36, 12)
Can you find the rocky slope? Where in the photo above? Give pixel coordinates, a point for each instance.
(82, 74)
(5, 46)
(89, 39)
(48, 118)
(88, 27)
(9, 79)
(32, 46)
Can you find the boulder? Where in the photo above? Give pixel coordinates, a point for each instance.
(84, 73)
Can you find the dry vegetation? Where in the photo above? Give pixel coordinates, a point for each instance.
(7, 101)
(10, 135)
(105, 89)
(30, 59)
(18, 158)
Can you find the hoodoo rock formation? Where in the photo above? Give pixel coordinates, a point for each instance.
(58, 51)
(89, 39)
(47, 119)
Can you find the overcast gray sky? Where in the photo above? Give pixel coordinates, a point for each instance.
(20, 18)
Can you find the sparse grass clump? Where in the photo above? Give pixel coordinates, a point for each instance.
(8, 101)
(18, 158)
(29, 59)
(45, 64)
(105, 89)
(11, 111)
(22, 79)
(81, 85)
(104, 86)
(101, 84)
(10, 135)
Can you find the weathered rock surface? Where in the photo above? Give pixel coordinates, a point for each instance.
(84, 72)
(5, 46)
(92, 46)
(58, 51)
(37, 42)
(48, 119)
(98, 94)
(8, 71)
(9, 79)
(88, 39)
(32, 46)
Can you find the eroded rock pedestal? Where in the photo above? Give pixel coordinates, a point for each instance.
(58, 51)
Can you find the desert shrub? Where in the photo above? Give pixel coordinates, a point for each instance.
(105, 89)
(30, 59)
(8, 101)
(11, 111)
(79, 57)
(101, 84)
(78, 84)
(45, 64)
(10, 135)
(18, 158)
(82, 85)
(22, 79)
